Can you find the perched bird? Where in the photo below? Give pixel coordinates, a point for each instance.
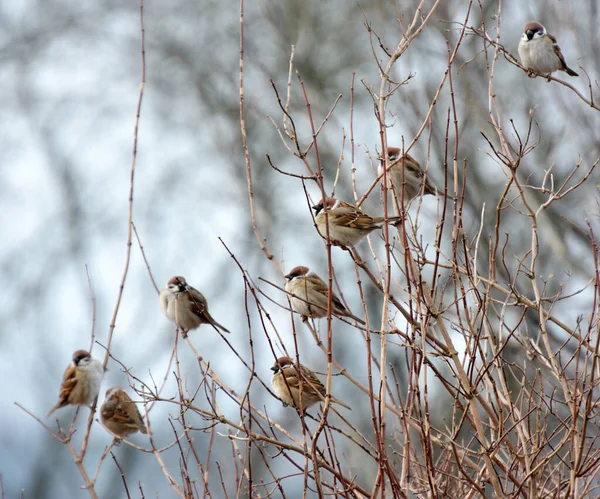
(539, 51)
(308, 295)
(186, 306)
(286, 383)
(81, 381)
(347, 223)
(414, 179)
(119, 414)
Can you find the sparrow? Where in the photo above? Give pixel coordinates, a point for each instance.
(119, 414)
(81, 381)
(308, 295)
(414, 179)
(539, 51)
(286, 383)
(186, 306)
(347, 223)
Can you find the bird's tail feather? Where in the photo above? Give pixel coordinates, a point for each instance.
(357, 319)
(570, 72)
(57, 406)
(339, 402)
(390, 220)
(218, 326)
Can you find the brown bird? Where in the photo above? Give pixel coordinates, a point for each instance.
(119, 414)
(186, 306)
(414, 179)
(286, 383)
(309, 295)
(347, 223)
(540, 52)
(81, 381)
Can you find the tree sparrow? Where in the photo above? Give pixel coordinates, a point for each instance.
(119, 414)
(308, 295)
(286, 383)
(539, 51)
(81, 381)
(414, 178)
(186, 306)
(347, 224)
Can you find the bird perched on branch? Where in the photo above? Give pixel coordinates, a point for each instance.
(539, 51)
(309, 295)
(81, 381)
(347, 223)
(119, 414)
(405, 171)
(286, 383)
(186, 306)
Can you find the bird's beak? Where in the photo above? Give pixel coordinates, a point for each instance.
(275, 369)
(288, 277)
(315, 207)
(529, 34)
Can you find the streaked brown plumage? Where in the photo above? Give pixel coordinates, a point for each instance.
(309, 295)
(347, 223)
(120, 415)
(414, 179)
(186, 306)
(286, 384)
(81, 381)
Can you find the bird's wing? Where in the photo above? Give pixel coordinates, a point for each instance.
(316, 284)
(198, 303)
(413, 166)
(409, 163)
(132, 417)
(314, 383)
(346, 215)
(129, 416)
(337, 304)
(316, 386)
(291, 376)
(320, 287)
(557, 51)
(70, 379)
(132, 414)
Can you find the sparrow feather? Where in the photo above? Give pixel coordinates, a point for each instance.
(561, 57)
(313, 390)
(70, 379)
(120, 415)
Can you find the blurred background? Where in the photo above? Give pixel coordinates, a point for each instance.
(69, 82)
